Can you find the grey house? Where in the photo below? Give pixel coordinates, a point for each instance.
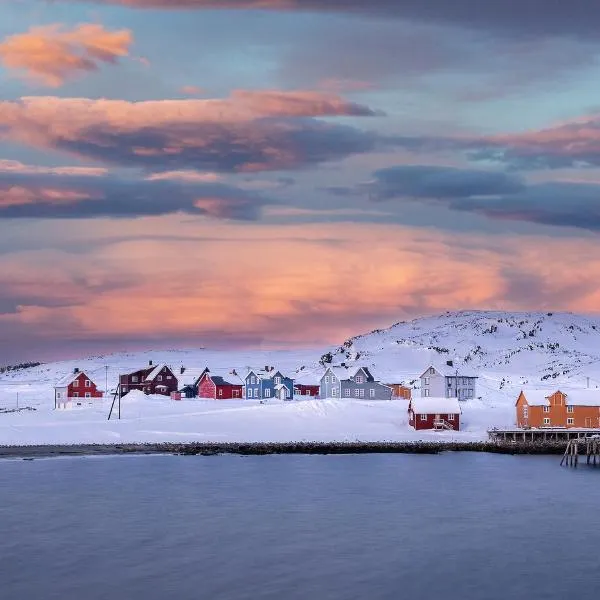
(337, 383)
(448, 381)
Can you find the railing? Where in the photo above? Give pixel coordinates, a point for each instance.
(442, 424)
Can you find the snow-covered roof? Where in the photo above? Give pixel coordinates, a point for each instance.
(537, 397)
(221, 376)
(155, 372)
(306, 379)
(435, 405)
(583, 397)
(448, 371)
(280, 386)
(69, 378)
(189, 376)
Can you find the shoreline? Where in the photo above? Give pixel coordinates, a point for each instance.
(269, 448)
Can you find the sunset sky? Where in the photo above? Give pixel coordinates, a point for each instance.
(286, 173)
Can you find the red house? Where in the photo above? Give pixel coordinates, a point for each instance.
(434, 413)
(76, 388)
(220, 385)
(157, 379)
(305, 385)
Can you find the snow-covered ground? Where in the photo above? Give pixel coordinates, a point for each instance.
(508, 350)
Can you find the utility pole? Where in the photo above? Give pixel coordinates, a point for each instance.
(106, 379)
(588, 382)
(17, 400)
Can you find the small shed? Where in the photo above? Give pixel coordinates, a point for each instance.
(399, 390)
(434, 413)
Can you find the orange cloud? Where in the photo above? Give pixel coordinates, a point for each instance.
(52, 54)
(283, 284)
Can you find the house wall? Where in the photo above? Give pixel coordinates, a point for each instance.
(229, 391)
(206, 388)
(418, 423)
(164, 378)
(78, 386)
(433, 384)
(558, 413)
(461, 387)
(362, 391)
(329, 382)
(301, 389)
(400, 391)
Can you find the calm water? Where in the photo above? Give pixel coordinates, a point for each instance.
(456, 526)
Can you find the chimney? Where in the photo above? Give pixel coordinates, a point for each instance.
(75, 370)
(450, 363)
(266, 368)
(233, 372)
(150, 363)
(182, 370)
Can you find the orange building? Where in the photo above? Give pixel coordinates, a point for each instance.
(400, 391)
(574, 408)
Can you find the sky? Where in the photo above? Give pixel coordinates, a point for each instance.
(289, 173)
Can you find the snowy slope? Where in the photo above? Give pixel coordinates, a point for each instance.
(507, 350)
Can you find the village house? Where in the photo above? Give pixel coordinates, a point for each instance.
(152, 379)
(572, 408)
(336, 383)
(220, 385)
(306, 385)
(75, 389)
(400, 390)
(434, 413)
(448, 381)
(188, 380)
(268, 384)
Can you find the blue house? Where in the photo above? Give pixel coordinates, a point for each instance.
(268, 384)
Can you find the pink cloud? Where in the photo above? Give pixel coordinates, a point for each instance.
(51, 54)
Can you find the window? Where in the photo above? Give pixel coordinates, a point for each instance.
(450, 417)
(75, 394)
(525, 411)
(449, 382)
(267, 393)
(570, 409)
(372, 393)
(334, 392)
(469, 393)
(76, 383)
(423, 417)
(220, 392)
(357, 392)
(88, 383)
(134, 379)
(362, 393)
(169, 377)
(236, 393)
(160, 378)
(326, 378)
(347, 392)
(546, 421)
(249, 393)
(432, 371)
(123, 390)
(252, 380)
(277, 380)
(307, 392)
(426, 381)
(546, 409)
(58, 395)
(88, 395)
(426, 393)
(359, 379)
(570, 421)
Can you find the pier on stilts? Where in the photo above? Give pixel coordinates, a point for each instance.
(588, 447)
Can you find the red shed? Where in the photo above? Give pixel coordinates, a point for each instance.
(434, 413)
(306, 384)
(220, 385)
(76, 387)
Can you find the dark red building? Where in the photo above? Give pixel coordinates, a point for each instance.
(303, 389)
(434, 413)
(221, 385)
(152, 379)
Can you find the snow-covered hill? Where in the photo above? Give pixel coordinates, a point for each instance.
(508, 351)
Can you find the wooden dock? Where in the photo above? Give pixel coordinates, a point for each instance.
(588, 447)
(543, 434)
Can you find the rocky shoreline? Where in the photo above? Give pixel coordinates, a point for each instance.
(260, 448)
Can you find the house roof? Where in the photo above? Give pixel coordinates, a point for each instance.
(190, 376)
(225, 377)
(152, 375)
(435, 405)
(537, 397)
(303, 378)
(366, 372)
(448, 371)
(69, 378)
(280, 386)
